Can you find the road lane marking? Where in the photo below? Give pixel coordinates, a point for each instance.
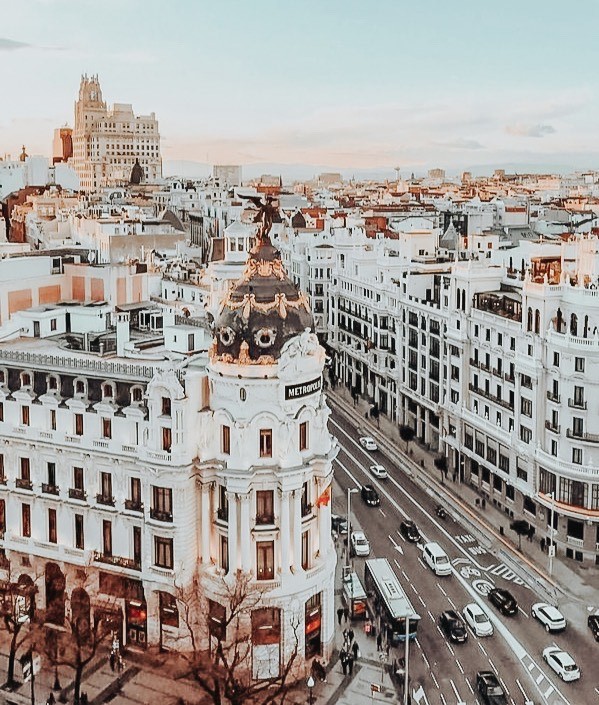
(468, 684)
(401, 536)
(442, 590)
(455, 690)
(435, 681)
(425, 660)
(383, 513)
(522, 689)
(539, 678)
(430, 614)
(531, 666)
(395, 545)
(482, 648)
(460, 666)
(548, 692)
(452, 603)
(523, 612)
(422, 602)
(443, 699)
(494, 667)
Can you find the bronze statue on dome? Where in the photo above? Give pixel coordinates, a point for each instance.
(267, 209)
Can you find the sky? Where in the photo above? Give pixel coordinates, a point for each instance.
(339, 84)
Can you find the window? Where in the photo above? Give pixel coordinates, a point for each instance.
(25, 469)
(265, 507)
(137, 545)
(3, 517)
(79, 535)
(529, 506)
(166, 406)
(167, 439)
(225, 437)
(52, 474)
(525, 434)
(266, 626)
(106, 485)
(78, 424)
(266, 443)
(509, 492)
(169, 612)
(577, 426)
(572, 492)
(305, 550)
(26, 520)
(25, 415)
(78, 479)
(52, 526)
(106, 428)
(579, 364)
(162, 501)
(163, 552)
(2, 411)
(547, 481)
(107, 537)
(79, 387)
(224, 553)
(526, 406)
(577, 456)
(136, 491)
(107, 391)
(303, 435)
(53, 419)
(521, 473)
(265, 560)
(579, 396)
(137, 394)
(25, 379)
(217, 620)
(554, 448)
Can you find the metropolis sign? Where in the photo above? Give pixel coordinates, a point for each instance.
(295, 391)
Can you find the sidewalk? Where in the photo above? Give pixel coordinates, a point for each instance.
(574, 581)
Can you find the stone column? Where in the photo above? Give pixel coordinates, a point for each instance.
(206, 523)
(285, 537)
(296, 532)
(232, 535)
(245, 532)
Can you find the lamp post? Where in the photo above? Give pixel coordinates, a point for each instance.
(551, 547)
(350, 491)
(408, 618)
(310, 683)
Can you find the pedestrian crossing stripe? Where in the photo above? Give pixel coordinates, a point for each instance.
(465, 538)
(476, 550)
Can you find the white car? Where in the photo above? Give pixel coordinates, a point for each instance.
(562, 663)
(379, 471)
(549, 616)
(368, 443)
(359, 544)
(477, 620)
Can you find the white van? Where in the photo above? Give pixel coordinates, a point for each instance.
(436, 559)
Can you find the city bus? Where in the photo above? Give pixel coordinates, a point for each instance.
(390, 600)
(354, 595)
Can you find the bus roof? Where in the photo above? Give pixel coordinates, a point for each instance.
(390, 588)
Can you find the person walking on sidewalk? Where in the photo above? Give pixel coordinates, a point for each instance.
(350, 635)
(344, 663)
(356, 649)
(346, 613)
(379, 641)
(350, 664)
(339, 615)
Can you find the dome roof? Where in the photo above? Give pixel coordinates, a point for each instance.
(261, 312)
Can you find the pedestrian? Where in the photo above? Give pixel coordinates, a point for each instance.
(379, 641)
(350, 634)
(120, 663)
(344, 665)
(345, 632)
(83, 700)
(112, 661)
(343, 653)
(51, 699)
(339, 615)
(346, 609)
(543, 545)
(355, 649)
(350, 664)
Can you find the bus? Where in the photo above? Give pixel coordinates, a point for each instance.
(390, 600)
(354, 595)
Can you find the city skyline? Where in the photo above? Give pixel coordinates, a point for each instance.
(350, 86)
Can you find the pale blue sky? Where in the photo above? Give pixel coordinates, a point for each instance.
(331, 82)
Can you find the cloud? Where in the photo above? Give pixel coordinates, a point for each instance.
(11, 44)
(460, 143)
(539, 130)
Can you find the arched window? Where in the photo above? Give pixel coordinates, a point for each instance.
(585, 331)
(559, 321)
(529, 319)
(107, 390)
(573, 324)
(137, 395)
(537, 321)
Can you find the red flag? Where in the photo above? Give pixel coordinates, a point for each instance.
(325, 497)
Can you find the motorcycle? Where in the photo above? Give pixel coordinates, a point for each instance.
(441, 511)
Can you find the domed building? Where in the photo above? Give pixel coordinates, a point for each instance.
(265, 467)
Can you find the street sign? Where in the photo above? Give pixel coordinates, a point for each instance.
(551, 551)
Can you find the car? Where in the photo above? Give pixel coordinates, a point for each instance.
(477, 619)
(549, 616)
(368, 443)
(338, 524)
(379, 471)
(593, 622)
(453, 626)
(409, 531)
(504, 601)
(490, 689)
(359, 544)
(370, 496)
(562, 663)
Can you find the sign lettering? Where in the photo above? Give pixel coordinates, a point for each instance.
(295, 391)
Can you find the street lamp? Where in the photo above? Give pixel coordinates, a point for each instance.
(408, 618)
(310, 683)
(551, 547)
(350, 491)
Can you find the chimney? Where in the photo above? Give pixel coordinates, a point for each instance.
(122, 333)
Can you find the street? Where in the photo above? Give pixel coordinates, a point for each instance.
(448, 672)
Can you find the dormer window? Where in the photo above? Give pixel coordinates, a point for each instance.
(107, 390)
(80, 387)
(137, 395)
(166, 406)
(52, 383)
(2, 377)
(25, 379)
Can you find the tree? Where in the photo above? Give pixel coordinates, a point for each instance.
(406, 433)
(521, 527)
(441, 465)
(220, 660)
(17, 609)
(76, 643)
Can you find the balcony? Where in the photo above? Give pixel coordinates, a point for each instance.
(577, 404)
(553, 397)
(582, 436)
(119, 561)
(134, 505)
(76, 493)
(222, 514)
(23, 484)
(104, 499)
(579, 543)
(50, 489)
(497, 372)
(508, 377)
(550, 427)
(491, 397)
(160, 515)
(265, 519)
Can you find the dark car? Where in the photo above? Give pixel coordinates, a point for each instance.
(504, 601)
(339, 524)
(490, 690)
(453, 626)
(409, 531)
(593, 622)
(370, 496)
